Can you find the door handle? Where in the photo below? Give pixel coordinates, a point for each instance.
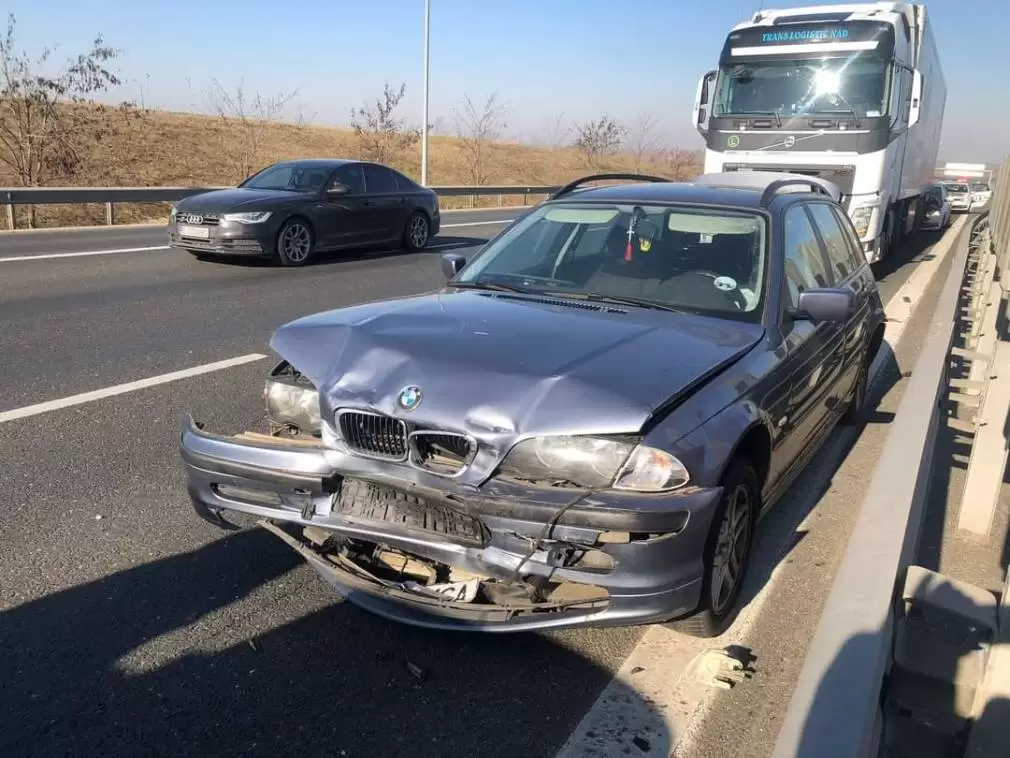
(366, 203)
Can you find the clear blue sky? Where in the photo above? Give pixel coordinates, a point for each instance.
(545, 58)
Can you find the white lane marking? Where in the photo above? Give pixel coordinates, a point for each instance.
(658, 693)
(120, 389)
(478, 223)
(118, 251)
(82, 254)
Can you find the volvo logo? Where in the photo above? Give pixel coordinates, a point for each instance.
(789, 141)
(191, 218)
(410, 398)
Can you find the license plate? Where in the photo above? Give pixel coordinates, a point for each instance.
(200, 232)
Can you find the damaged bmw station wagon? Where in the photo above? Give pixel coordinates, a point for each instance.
(582, 427)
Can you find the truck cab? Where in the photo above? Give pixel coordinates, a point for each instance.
(853, 94)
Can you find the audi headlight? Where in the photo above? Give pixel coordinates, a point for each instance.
(596, 462)
(291, 399)
(257, 217)
(861, 218)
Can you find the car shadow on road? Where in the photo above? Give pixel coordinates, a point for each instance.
(169, 658)
(912, 248)
(438, 245)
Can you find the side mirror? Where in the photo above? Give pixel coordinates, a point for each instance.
(915, 101)
(825, 304)
(701, 98)
(338, 189)
(452, 264)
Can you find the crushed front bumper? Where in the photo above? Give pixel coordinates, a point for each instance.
(640, 557)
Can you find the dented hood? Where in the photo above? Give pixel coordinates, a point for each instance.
(507, 364)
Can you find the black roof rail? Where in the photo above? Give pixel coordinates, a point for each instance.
(773, 188)
(572, 186)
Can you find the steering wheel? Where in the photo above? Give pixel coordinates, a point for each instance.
(734, 295)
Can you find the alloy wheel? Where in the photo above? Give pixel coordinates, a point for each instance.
(731, 548)
(418, 233)
(296, 242)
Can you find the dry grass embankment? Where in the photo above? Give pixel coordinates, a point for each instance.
(157, 148)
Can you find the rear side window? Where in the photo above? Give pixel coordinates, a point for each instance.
(839, 254)
(804, 264)
(379, 179)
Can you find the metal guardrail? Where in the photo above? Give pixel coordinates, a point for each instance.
(839, 707)
(109, 196)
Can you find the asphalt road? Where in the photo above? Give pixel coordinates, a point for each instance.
(130, 627)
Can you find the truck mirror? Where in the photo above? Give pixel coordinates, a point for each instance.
(701, 98)
(915, 101)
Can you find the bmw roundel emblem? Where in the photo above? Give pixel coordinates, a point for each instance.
(410, 398)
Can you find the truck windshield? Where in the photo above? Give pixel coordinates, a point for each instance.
(856, 87)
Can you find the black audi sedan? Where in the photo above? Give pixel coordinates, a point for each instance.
(291, 210)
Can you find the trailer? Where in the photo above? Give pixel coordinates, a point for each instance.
(852, 93)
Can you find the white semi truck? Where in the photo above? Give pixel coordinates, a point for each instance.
(852, 93)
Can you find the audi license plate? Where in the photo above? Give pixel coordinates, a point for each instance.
(199, 232)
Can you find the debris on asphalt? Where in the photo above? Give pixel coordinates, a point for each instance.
(416, 671)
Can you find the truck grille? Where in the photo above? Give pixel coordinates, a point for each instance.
(373, 434)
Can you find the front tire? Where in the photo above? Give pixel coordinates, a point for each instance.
(727, 554)
(416, 233)
(295, 243)
(857, 403)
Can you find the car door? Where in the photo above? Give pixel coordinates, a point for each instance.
(856, 278)
(344, 222)
(813, 351)
(385, 203)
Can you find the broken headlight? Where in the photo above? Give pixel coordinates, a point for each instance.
(596, 462)
(291, 399)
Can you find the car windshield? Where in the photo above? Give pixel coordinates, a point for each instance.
(858, 86)
(957, 189)
(675, 257)
(291, 177)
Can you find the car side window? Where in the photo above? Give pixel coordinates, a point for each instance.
(837, 248)
(378, 179)
(804, 264)
(351, 176)
(404, 183)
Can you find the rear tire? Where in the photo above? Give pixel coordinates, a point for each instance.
(295, 243)
(416, 233)
(727, 554)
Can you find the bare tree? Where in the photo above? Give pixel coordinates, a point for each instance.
(599, 139)
(643, 138)
(251, 112)
(381, 136)
(556, 130)
(478, 127)
(48, 118)
(681, 163)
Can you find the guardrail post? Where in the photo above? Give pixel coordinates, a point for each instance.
(10, 216)
(110, 214)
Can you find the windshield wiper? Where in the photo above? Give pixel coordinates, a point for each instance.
(751, 114)
(487, 285)
(636, 302)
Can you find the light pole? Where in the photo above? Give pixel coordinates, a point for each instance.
(424, 122)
